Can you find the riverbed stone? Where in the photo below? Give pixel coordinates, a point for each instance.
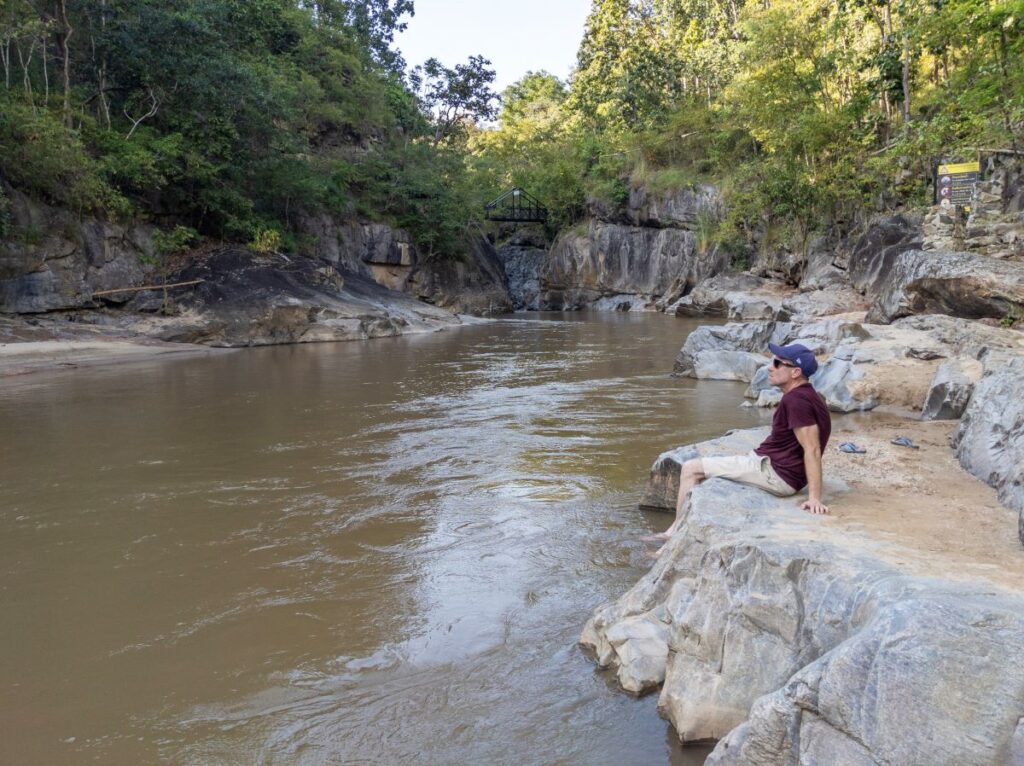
(951, 390)
(990, 440)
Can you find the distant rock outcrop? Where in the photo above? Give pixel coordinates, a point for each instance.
(657, 249)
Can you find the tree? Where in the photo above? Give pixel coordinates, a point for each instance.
(456, 96)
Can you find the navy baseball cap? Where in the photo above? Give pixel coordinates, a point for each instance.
(798, 354)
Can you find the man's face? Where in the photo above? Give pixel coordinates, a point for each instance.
(782, 371)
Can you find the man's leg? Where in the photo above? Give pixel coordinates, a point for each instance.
(690, 475)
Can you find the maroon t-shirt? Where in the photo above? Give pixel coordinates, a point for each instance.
(803, 406)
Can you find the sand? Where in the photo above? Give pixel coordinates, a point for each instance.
(929, 516)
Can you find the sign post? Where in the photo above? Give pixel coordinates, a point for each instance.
(954, 184)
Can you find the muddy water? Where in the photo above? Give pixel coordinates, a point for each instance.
(344, 553)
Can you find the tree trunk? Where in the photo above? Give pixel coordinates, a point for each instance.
(46, 74)
(906, 79)
(65, 45)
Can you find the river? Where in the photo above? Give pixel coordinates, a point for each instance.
(366, 553)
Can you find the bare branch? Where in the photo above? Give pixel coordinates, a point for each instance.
(154, 103)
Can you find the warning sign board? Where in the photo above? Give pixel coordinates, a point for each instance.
(955, 183)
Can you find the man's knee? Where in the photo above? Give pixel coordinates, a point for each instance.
(693, 469)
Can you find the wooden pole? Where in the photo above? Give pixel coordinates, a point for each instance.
(148, 287)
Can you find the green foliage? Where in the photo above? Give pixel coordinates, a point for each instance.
(238, 119)
(266, 241)
(176, 241)
(40, 156)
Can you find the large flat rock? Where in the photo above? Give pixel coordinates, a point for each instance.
(800, 639)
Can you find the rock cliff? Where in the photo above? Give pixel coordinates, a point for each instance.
(655, 250)
(358, 280)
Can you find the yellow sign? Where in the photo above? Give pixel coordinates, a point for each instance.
(960, 167)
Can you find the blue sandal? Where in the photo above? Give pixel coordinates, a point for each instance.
(903, 441)
(852, 448)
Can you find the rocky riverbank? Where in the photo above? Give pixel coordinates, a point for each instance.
(87, 281)
(791, 638)
(842, 639)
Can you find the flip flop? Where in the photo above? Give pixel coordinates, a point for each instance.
(903, 441)
(852, 448)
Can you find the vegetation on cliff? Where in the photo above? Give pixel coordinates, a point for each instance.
(805, 112)
(235, 119)
(232, 118)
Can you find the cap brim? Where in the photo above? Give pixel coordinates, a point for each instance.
(776, 349)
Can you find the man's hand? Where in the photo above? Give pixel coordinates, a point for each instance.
(814, 506)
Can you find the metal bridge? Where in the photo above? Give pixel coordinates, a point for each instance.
(516, 206)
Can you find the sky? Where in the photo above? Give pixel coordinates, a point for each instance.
(518, 36)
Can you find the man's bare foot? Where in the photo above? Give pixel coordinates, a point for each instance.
(660, 537)
(653, 555)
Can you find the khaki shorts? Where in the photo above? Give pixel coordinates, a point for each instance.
(755, 470)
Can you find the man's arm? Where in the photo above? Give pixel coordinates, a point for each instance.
(808, 438)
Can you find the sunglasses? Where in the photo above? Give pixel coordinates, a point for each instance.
(777, 363)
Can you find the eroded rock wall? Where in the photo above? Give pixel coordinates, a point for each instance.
(53, 260)
(652, 252)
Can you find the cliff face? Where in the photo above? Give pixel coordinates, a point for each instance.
(359, 280)
(473, 284)
(653, 252)
(53, 260)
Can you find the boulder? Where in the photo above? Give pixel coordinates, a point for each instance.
(990, 440)
(872, 256)
(959, 284)
(726, 365)
(662, 487)
(791, 641)
(951, 390)
(820, 271)
(814, 304)
(738, 297)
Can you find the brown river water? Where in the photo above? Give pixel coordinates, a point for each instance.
(353, 553)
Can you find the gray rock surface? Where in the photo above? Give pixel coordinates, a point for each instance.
(610, 260)
(474, 284)
(791, 642)
(744, 298)
(52, 260)
(951, 390)
(674, 208)
(738, 297)
(990, 440)
(860, 365)
(522, 262)
(870, 260)
(958, 284)
(247, 299)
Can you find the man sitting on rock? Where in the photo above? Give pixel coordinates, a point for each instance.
(790, 458)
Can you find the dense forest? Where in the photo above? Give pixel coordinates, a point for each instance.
(231, 119)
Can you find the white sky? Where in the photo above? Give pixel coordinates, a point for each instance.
(518, 36)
